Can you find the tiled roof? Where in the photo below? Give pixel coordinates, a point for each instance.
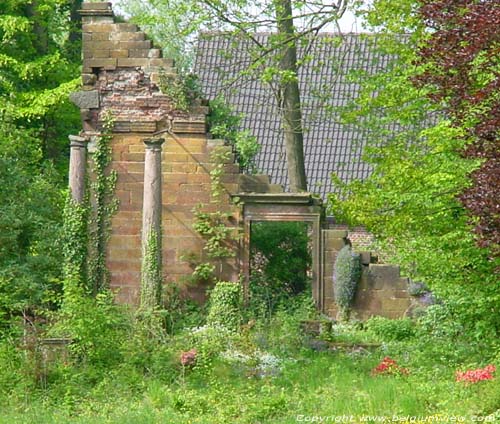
(329, 146)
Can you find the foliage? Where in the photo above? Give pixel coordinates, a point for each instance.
(225, 124)
(183, 89)
(280, 261)
(214, 225)
(346, 275)
(461, 65)
(95, 325)
(151, 273)
(104, 205)
(391, 329)
(225, 306)
(75, 241)
(410, 201)
(30, 215)
(38, 69)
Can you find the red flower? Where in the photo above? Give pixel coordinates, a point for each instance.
(474, 376)
(188, 358)
(389, 366)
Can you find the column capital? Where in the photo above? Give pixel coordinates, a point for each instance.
(153, 142)
(78, 141)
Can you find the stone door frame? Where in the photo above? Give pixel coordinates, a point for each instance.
(284, 207)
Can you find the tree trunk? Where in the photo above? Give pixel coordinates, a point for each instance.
(291, 115)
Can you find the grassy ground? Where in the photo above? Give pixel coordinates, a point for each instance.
(268, 374)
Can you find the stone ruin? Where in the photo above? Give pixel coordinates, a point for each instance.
(162, 158)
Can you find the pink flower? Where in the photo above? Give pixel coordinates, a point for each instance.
(474, 376)
(389, 366)
(188, 358)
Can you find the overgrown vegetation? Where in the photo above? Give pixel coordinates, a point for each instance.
(226, 124)
(280, 263)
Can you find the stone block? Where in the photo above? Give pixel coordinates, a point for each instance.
(379, 277)
(100, 53)
(118, 53)
(108, 64)
(142, 126)
(132, 62)
(126, 27)
(127, 36)
(104, 5)
(97, 36)
(88, 79)
(154, 53)
(140, 53)
(100, 45)
(335, 234)
(146, 44)
(98, 27)
(85, 99)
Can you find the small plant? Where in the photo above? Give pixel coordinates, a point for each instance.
(475, 376)
(347, 272)
(225, 124)
(225, 306)
(389, 366)
(183, 89)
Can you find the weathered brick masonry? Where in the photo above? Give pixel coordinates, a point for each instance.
(120, 76)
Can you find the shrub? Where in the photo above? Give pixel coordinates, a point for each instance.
(280, 260)
(225, 306)
(347, 271)
(391, 329)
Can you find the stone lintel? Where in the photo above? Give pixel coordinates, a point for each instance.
(280, 198)
(96, 9)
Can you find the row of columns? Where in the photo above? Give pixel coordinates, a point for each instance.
(152, 201)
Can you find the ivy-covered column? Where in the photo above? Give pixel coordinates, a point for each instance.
(77, 166)
(151, 271)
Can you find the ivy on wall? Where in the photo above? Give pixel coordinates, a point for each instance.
(151, 276)
(214, 226)
(103, 208)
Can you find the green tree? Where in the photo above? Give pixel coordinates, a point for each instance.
(410, 202)
(275, 60)
(39, 60)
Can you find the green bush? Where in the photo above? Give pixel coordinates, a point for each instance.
(225, 307)
(280, 260)
(391, 329)
(225, 124)
(347, 271)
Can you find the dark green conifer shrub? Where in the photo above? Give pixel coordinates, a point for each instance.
(347, 272)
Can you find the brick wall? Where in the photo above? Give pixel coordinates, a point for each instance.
(121, 71)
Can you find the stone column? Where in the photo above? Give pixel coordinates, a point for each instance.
(77, 166)
(151, 271)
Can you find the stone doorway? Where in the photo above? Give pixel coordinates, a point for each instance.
(284, 207)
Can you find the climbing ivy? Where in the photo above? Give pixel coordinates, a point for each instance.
(151, 276)
(75, 241)
(103, 207)
(213, 226)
